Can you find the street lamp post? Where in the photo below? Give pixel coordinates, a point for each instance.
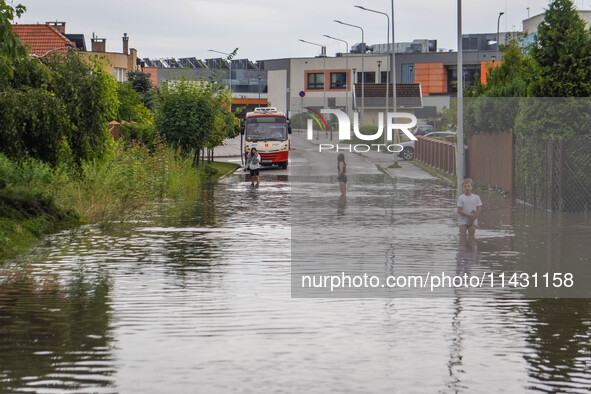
(346, 75)
(460, 114)
(362, 67)
(352, 91)
(260, 77)
(498, 37)
(323, 54)
(393, 72)
(229, 61)
(388, 61)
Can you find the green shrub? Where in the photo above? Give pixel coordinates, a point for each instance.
(143, 133)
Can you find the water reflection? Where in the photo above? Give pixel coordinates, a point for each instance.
(55, 336)
(561, 349)
(341, 205)
(168, 300)
(467, 256)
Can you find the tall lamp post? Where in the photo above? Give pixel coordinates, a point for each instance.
(362, 67)
(346, 75)
(260, 77)
(323, 54)
(393, 72)
(460, 114)
(387, 63)
(352, 91)
(498, 37)
(229, 61)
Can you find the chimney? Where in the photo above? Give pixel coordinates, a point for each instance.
(125, 44)
(98, 44)
(59, 26)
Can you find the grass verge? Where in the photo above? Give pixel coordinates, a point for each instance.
(36, 199)
(25, 217)
(437, 173)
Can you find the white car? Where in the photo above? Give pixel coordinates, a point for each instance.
(408, 150)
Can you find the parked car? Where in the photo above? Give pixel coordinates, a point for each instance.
(424, 129)
(408, 150)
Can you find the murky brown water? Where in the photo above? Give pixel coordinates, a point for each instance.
(196, 297)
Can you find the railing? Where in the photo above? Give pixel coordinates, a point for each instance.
(436, 153)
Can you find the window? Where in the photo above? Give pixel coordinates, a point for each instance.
(408, 72)
(370, 77)
(338, 80)
(120, 74)
(315, 81)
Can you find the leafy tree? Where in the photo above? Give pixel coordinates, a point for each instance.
(186, 114)
(563, 54)
(449, 117)
(141, 83)
(34, 124)
(89, 96)
(194, 114)
(510, 78)
(11, 47)
(131, 107)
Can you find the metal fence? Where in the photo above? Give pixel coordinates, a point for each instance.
(555, 173)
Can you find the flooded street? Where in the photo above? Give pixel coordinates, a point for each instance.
(197, 296)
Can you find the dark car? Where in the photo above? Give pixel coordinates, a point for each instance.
(424, 129)
(408, 150)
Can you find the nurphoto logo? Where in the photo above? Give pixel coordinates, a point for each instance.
(345, 130)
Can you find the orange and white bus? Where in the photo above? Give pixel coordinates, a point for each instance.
(269, 131)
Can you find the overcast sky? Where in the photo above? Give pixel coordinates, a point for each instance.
(271, 29)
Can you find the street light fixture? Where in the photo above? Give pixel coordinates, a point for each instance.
(362, 67)
(229, 61)
(498, 38)
(387, 63)
(347, 73)
(323, 54)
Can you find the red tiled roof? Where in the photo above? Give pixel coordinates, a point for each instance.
(41, 38)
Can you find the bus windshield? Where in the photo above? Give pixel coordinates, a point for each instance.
(264, 128)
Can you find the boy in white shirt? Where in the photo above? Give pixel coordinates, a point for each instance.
(469, 206)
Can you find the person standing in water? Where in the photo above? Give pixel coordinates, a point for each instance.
(469, 206)
(342, 171)
(253, 164)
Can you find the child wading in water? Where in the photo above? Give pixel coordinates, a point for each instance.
(342, 171)
(469, 206)
(253, 164)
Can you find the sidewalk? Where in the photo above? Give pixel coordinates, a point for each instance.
(383, 159)
(231, 148)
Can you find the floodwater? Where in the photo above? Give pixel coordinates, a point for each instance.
(197, 297)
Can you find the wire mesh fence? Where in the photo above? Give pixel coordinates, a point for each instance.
(554, 173)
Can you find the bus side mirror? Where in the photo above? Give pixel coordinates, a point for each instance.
(289, 128)
(242, 129)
